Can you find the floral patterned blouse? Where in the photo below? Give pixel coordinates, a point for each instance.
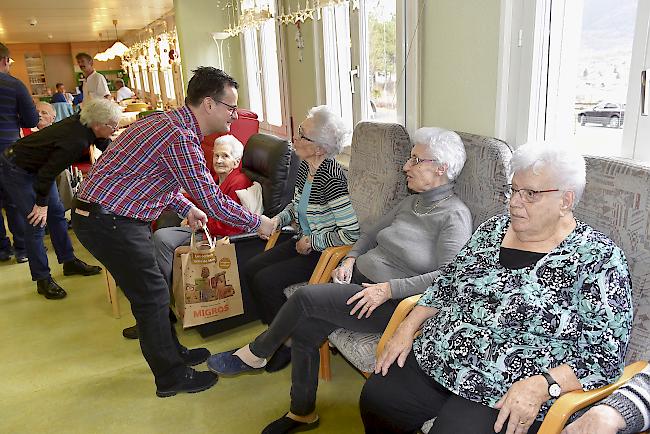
(496, 326)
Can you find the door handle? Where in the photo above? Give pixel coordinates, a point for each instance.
(644, 93)
(353, 73)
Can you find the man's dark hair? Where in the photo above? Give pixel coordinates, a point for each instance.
(207, 81)
(4, 51)
(58, 85)
(86, 56)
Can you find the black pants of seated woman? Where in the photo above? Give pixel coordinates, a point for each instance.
(268, 273)
(406, 397)
(308, 317)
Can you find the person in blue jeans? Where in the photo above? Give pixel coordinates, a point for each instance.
(29, 168)
(16, 110)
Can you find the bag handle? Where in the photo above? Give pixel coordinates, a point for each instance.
(208, 237)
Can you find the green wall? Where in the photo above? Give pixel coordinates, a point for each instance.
(195, 20)
(301, 75)
(459, 59)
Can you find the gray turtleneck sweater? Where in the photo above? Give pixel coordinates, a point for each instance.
(409, 245)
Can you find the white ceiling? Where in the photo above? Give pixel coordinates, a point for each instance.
(75, 20)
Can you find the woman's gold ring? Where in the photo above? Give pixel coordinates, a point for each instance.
(522, 422)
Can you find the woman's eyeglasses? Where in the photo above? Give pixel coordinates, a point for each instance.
(526, 195)
(112, 127)
(414, 161)
(301, 135)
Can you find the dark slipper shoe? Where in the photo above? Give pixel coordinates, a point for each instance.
(286, 425)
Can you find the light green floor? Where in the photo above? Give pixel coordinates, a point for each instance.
(65, 368)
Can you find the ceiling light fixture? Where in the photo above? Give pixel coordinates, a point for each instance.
(118, 48)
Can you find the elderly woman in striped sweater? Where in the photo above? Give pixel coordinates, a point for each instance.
(320, 211)
(626, 411)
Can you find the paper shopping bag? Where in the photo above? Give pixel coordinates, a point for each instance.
(206, 284)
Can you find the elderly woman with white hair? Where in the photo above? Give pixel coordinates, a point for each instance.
(398, 257)
(30, 166)
(536, 304)
(320, 211)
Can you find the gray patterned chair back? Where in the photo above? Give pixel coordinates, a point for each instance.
(486, 171)
(616, 201)
(375, 177)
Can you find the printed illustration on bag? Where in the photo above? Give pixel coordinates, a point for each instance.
(192, 295)
(208, 288)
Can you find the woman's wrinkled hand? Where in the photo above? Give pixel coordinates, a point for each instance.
(38, 216)
(397, 348)
(520, 405)
(303, 246)
(370, 298)
(601, 419)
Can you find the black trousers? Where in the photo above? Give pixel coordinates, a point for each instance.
(268, 273)
(406, 397)
(125, 248)
(308, 317)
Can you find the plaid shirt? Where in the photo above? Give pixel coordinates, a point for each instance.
(141, 173)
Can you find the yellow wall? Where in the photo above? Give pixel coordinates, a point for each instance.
(460, 48)
(301, 76)
(195, 20)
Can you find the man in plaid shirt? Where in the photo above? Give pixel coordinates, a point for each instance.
(139, 176)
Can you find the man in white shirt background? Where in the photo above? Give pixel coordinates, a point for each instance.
(95, 85)
(123, 92)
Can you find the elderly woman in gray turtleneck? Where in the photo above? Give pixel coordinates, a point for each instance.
(400, 256)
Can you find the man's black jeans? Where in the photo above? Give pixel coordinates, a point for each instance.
(124, 246)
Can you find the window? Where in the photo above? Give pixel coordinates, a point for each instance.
(264, 73)
(568, 67)
(379, 67)
(371, 61)
(336, 52)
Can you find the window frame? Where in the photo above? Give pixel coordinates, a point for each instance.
(261, 77)
(523, 56)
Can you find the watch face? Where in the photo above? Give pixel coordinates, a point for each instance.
(554, 390)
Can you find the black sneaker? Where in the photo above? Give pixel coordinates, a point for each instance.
(77, 266)
(192, 382)
(21, 257)
(50, 289)
(195, 356)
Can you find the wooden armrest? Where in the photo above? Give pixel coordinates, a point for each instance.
(403, 309)
(275, 235)
(329, 260)
(571, 402)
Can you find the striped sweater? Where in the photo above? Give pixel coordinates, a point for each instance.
(632, 401)
(331, 218)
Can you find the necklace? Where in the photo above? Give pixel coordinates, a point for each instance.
(311, 172)
(429, 209)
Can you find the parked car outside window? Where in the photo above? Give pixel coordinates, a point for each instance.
(607, 114)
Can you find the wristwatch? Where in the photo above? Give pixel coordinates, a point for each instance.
(554, 389)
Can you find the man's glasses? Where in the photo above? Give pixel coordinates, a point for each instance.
(414, 161)
(301, 135)
(233, 108)
(526, 195)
